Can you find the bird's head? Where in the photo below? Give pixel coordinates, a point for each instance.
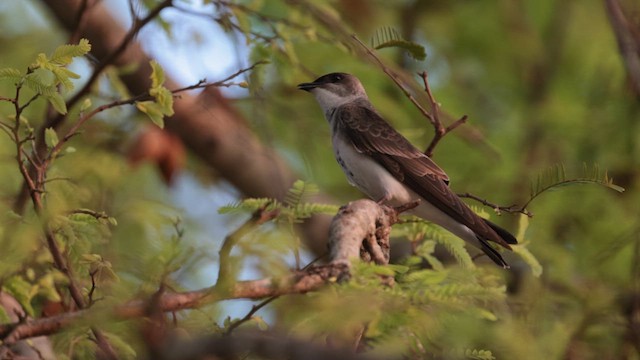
(335, 89)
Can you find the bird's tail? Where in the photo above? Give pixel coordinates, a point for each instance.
(492, 253)
(504, 234)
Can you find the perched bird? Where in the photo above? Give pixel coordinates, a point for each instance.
(390, 170)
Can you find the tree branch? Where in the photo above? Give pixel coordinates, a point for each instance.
(296, 283)
(439, 130)
(498, 208)
(361, 226)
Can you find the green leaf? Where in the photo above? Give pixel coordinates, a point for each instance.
(426, 277)
(479, 354)
(262, 325)
(47, 288)
(22, 291)
(64, 54)
(157, 75)
(299, 192)
(57, 102)
(36, 82)
(387, 37)
(163, 104)
(555, 177)
(51, 137)
(153, 111)
(164, 98)
(41, 61)
(10, 74)
(86, 104)
(63, 75)
(398, 269)
(249, 205)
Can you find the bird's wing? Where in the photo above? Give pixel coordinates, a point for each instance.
(379, 137)
(376, 138)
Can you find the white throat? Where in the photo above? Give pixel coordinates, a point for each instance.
(329, 100)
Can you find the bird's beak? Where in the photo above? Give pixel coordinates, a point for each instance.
(308, 86)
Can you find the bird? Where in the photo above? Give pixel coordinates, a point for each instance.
(387, 168)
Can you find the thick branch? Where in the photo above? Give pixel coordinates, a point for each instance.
(297, 283)
(360, 229)
(208, 125)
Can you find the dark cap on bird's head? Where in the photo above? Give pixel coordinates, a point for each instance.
(335, 89)
(342, 84)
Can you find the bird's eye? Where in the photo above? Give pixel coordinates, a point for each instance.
(337, 78)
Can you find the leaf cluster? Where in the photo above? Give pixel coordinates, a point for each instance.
(48, 72)
(162, 105)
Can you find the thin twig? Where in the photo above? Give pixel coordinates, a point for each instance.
(224, 82)
(249, 316)
(440, 130)
(433, 116)
(97, 215)
(498, 208)
(394, 78)
(255, 308)
(92, 274)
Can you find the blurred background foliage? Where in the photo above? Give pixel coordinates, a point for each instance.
(543, 83)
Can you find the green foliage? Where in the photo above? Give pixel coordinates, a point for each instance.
(163, 104)
(418, 230)
(51, 137)
(46, 73)
(388, 37)
(11, 74)
(295, 208)
(555, 177)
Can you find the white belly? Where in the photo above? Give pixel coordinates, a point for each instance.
(378, 184)
(368, 176)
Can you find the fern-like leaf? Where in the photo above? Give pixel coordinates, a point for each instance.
(64, 54)
(388, 37)
(10, 74)
(478, 354)
(299, 192)
(306, 210)
(38, 84)
(556, 177)
(249, 205)
(452, 243)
